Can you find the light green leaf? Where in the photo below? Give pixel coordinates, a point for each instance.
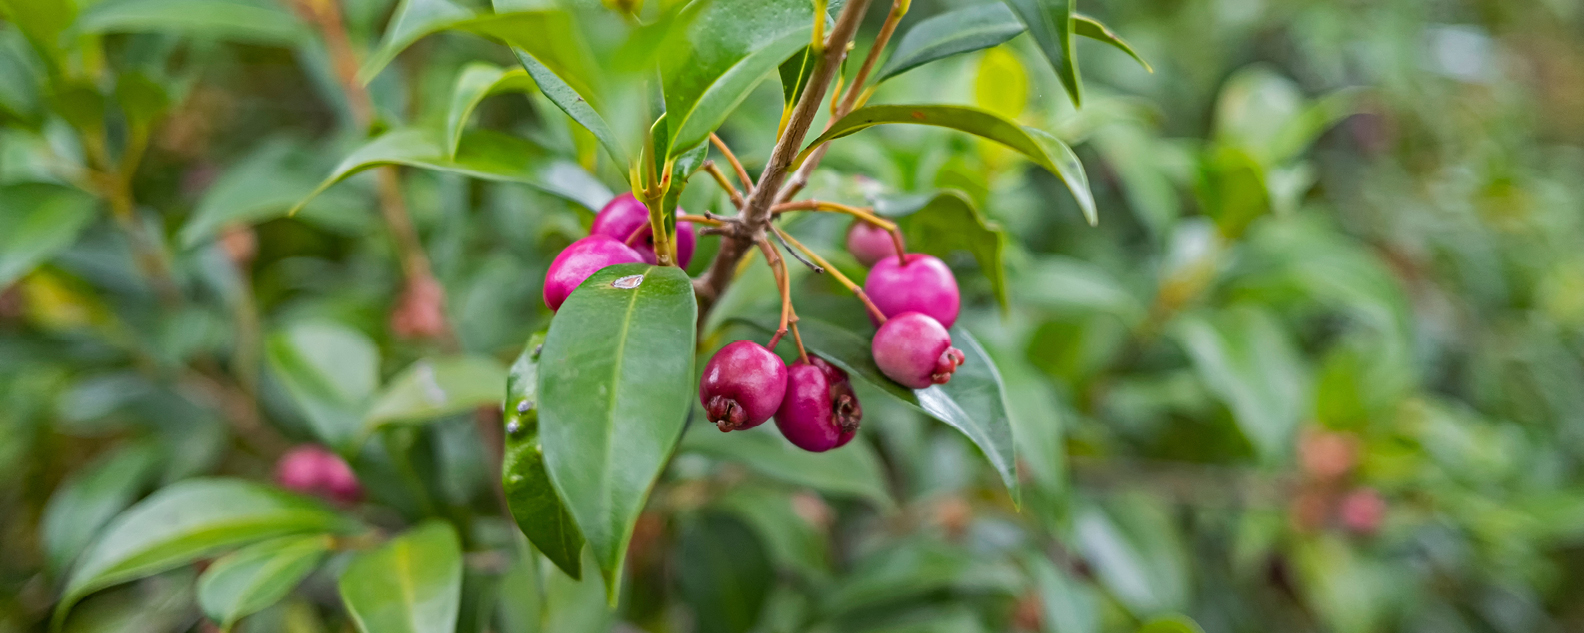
(1050, 23)
(436, 388)
(42, 23)
(330, 371)
(575, 105)
(547, 34)
(262, 186)
(1074, 286)
(947, 221)
(251, 21)
(1069, 605)
(723, 574)
(251, 579)
(1232, 188)
(90, 499)
(482, 154)
(36, 222)
(1095, 30)
(413, 584)
(1045, 150)
(186, 521)
(1248, 360)
(915, 566)
(1171, 624)
(1001, 84)
(852, 471)
(538, 510)
(1137, 554)
(615, 385)
(951, 33)
(477, 81)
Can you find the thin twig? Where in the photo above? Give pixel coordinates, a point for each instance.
(855, 288)
(795, 255)
(742, 174)
(861, 213)
(725, 183)
(699, 219)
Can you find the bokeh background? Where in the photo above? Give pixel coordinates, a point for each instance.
(1320, 367)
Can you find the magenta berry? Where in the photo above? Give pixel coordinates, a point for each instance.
(923, 284)
(869, 243)
(314, 470)
(915, 350)
(625, 215)
(581, 259)
(819, 411)
(742, 386)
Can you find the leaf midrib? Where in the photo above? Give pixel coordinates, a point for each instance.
(617, 365)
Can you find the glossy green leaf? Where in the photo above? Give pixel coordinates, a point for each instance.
(477, 81)
(795, 73)
(330, 371)
(615, 385)
(87, 501)
(536, 507)
(412, 584)
(951, 33)
(1045, 150)
(947, 221)
(1051, 23)
(436, 388)
(1249, 361)
(547, 34)
(482, 154)
(575, 105)
(1171, 624)
(251, 21)
(852, 471)
(973, 402)
(251, 579)
(36, 222)
(1095, 30)
(186, 521)
(723, 574)
(730, 47)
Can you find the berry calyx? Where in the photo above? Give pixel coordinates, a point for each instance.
(581, 259)
(915, 350)
(742, 386)
(918, 283)
(820, 411)
(315, 470)
(869, 243)
(625, 216)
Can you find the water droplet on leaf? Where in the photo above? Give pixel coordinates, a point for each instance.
(628, 283)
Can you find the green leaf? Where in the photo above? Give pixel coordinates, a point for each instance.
(1045, 150)
(547, 34)
(915, 566)
(413, 584)
(477, 81)
(1001, 83)
(262, 186)
(575, 105)
(42, 23)
(437, 388)
(793, 541)
(250, 21)
(1073, 286)
(90, 499)
(730, 47)
(1171, 624)
(1069, 605)
(536, 507)
(1249, 361)
(973, 402)
(330, 371)
(951, 33)
(1051, 23)
(795, 73)
(615, 389)
(1136, 554)
(723, 574)
(1232, 188)
(853, 471)
(187, 521)
(36, 222)
(947, 221)
(482, 154)
(1095, 30)
(251, 579)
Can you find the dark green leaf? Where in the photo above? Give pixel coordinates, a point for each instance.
(477, 81)
(483, 154)
(90, 499)
(951, 33)
(1249, 361)
(250, 579)
(946, 222)
(1171, 624)
(795, 72)
(413, 584)
(252, 21)
(852, 471)
(615, 385)
(186, 521)
(436, 388)
(723, 573)
(575, 105)
(36, 222)
(547, 34)
(793, 541)
(539, 512)
(917, 566)
(1050, 23)
(262, 186)
(1093, 29)
(331, 371)
(1045, 150)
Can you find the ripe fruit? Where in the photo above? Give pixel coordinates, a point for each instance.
(625, 215)
(819, 411)
(314, 470)
(1362, 511)
(581, 259)
(915, 350)
(742, 386)
(869, 243)
(923, 284)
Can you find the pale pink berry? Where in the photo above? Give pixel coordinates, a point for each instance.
(625, 216)
(314, 470)
(869, 243)
(581, 259)
(913, 349)
(742, 386)
(923, 284)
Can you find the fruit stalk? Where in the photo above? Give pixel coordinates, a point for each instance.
(879, 316)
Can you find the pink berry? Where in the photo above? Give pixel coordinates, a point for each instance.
(819, 411)
(625, 215)
(1362, 511)
(915, 350)
(314, 470)
(742, 386)
(869, 243)
(923, 284)
(581, 259)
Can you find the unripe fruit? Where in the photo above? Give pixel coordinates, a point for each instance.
(913, 349)
(625, 215)
(923, 284)
(819, 411)
(742, 386)
(317, 471)
(869, 243)
(581, 259)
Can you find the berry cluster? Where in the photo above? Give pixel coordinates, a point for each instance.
(620, 235)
